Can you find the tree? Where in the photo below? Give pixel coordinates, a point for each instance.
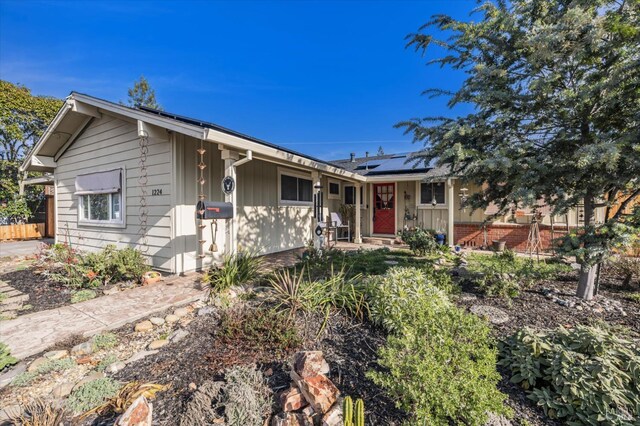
(141, 94)
(380, 150)
(555, 86)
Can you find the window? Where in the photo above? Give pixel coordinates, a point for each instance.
(430, 191)
(350, 195)
(295, 189)
(334, 189)
(100, 198)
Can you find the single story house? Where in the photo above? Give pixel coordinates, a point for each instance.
(133, 176)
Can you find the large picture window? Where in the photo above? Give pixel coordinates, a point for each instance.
(430, 191)
(100, 199)
(295, 189)
(350, 195)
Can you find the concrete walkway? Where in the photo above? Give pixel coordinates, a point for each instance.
(30, 334)
(22, 248)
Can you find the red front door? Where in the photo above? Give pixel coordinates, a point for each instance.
(384, 208)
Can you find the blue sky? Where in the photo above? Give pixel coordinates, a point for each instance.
(325, 78)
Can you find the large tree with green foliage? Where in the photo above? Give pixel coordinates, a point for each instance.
(142, 94)
(555, 90)
(23, 119)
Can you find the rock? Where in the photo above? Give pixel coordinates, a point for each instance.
(85, 348)
(318, 390)
(143, 326)
(171, 318)
(84, 360)
(193, 387)
(10, 412)
(62, 391)
(56, 354)
(94, 375)
(178, 335)
(115, 367)
(206, 310)
(288, 419)
(333, 417)
(157, 344)
(497, 420)
(579, 307)
(112, 290)
(140, 413)
(181, 312)
(138, 356)
(310, 363)
(156, 320)
(36, 363)
(491, 313)
(292, 399)
(8, 376)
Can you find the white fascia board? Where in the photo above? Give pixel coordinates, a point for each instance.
(38, 180)
(43, 161)
(147, 117)
(236, 142)
(45, 136)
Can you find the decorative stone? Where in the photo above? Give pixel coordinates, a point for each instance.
(206, 310)
(95, 375)
(8, 376)
(318, 390)
(333, 417)
(310, 363)
(178, 335)
(36, 363)
(62, 391)
(193, 387)
(157, 344)
(84, 360)
(143, 326)
(492, 314)
(56, 354)
(115, 367)
(140, 413)
(288, 419)
(171, 318)
(292, 399)
(85, 348)
(10, 412)
(140, 355)
(156, 320)
(181, 312)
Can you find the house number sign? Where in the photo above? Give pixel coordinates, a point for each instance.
(228, 185)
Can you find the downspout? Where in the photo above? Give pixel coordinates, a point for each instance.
(246, 159)
(234, 242)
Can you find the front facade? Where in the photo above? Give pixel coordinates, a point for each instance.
(132, 177)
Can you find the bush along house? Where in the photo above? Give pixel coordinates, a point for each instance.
(185, 191)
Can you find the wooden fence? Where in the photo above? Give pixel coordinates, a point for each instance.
(21, 232)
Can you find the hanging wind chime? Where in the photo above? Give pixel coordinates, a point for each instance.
(201, 166)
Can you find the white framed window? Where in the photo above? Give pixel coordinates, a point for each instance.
(294, 188)
(101, 199)
(432, 191)
(334, 189)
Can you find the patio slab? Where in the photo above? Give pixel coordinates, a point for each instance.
(30, 334)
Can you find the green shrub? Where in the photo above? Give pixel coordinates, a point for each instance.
(92, 394)
(50, 366)
(246, 397)
(82, 295)
(240, 268)
(439, 363)
(104, 341)
(420, 241)
(634, 297)
(627, 268)
(258, 330)
(15, 211)
(585, 375)
(5, 357)
(24, 379)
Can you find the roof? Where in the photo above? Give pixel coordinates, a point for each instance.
(391, 164)
(209, 125)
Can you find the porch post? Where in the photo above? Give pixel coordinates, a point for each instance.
(357, 238)
(450, 212)
(230, 232)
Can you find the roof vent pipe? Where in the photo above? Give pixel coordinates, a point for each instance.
(353, 157)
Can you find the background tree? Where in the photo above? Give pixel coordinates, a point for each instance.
(142, 94)
(555, 86)
(380, 150)
(23, 119)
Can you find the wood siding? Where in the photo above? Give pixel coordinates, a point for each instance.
(110, 143)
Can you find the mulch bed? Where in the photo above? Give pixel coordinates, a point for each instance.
(43, 293)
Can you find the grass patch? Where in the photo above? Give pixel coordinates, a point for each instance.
(237, 269)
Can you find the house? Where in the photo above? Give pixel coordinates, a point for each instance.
(133, 176)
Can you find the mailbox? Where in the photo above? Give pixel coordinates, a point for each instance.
(214, 210)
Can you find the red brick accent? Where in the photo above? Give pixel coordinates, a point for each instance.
(515, 235)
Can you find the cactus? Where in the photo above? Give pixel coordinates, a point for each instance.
(351, 418)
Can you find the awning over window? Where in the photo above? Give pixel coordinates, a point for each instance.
(99, 183)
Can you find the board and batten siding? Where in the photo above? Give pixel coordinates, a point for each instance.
(110, 143)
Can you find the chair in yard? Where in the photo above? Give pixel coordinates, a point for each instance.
(338, 225)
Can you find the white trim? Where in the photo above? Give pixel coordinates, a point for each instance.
(421, 205)
(330, 195)
(296, 174)
(111, 223)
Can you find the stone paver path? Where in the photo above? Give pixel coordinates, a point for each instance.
(11, 300)
(30, 334)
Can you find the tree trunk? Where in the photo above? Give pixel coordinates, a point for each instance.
(587, 277)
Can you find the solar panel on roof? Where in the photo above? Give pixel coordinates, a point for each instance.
(371, 164)
(396, 165)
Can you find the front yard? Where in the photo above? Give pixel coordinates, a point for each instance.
(439, 337)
